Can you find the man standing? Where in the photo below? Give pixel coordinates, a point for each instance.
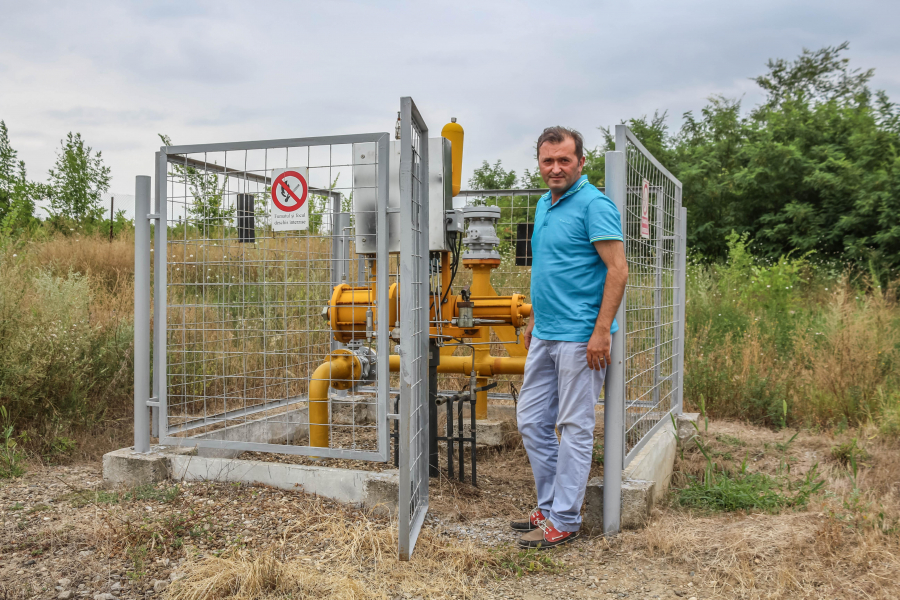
(578, 277)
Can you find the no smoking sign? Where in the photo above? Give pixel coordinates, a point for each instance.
(290, 190)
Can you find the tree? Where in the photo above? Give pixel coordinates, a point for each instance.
(492, 177)
(16, 193)
(77, 181)
(815, 167)
(207, 210)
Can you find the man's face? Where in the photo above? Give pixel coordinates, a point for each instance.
(559, 166)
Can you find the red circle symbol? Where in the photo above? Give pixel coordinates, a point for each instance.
(281, 187)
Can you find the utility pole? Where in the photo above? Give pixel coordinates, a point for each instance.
(112, 201)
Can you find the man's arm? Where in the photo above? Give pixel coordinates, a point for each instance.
(528, 329)
(612, 253)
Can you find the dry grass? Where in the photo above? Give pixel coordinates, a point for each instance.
(360, 562)
(846, 545)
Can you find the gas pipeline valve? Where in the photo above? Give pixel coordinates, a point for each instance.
(481, 234)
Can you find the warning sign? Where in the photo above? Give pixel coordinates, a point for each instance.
(290, 190)
(645, 210)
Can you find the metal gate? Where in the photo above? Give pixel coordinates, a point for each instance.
(415, 289)
(249, 362)
(644, 382)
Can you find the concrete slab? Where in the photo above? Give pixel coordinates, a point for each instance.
(686, 427)
(275, 429)
(655, 461)
(125, 467)
(365, 488)
(637, 502)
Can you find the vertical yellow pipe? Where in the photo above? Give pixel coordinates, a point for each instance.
(319, 428)
(338, 371)
(481, 286)
(453, 131)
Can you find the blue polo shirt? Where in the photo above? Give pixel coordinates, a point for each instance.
(567, 274)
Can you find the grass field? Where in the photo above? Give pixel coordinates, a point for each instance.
(787, 343)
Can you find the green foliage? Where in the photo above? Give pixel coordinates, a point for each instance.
(77, 181)
(492, 177)
(207, 210)
(847, 453)
(815, 167)
(520, 562)
(10, 458)
(57, 368)
(17, 194)
(721, 490)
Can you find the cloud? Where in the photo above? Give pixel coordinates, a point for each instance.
(210, 72)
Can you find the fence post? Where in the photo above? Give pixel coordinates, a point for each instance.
(682, 288)
(614, 403)
(159, 423)
(141, 313)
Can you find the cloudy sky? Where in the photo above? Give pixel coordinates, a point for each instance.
(121, 72)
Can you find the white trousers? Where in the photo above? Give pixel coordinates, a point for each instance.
(559, 393)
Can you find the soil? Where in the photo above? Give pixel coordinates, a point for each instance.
(63, 533)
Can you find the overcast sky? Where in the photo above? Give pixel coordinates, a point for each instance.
(121, 72)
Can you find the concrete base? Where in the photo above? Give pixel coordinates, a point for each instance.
(637, 502)
(128, 468)
(364, 488)
(488, 434)
(371, 489)
(276, 429)
(687, 428)
(655, 462)
(644, 483)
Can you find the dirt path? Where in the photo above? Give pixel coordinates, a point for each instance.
(63, 536)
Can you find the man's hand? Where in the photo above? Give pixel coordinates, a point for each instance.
(528, 329)
(598, 350)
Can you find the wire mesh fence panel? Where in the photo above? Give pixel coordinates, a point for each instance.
(257, 234)
(652, 228)
(413, 324)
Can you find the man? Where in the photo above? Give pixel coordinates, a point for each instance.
(578, 277)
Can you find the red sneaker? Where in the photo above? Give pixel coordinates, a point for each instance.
(546, 536)
(532, 522)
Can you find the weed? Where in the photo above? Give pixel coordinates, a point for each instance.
(597, 454)
(729, 439)
(138, 556)
(849, 452)
(719, 490)
(520, 562)
(165, 495)
(783, 446)
(10, 458)
(17, 506)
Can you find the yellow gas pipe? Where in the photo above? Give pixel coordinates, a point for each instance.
(339, 371)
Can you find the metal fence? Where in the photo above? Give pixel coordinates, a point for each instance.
(240, 285)
(413, 322)
(644, 382)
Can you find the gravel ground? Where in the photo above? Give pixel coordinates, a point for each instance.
(64, 536)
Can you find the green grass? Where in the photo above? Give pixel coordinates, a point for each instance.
(743, 491)
(519, 562)
(730, 440)
(147, 492)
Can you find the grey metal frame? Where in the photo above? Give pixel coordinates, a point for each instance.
(670, 237)
(614, 396)
(158, 401)
(414, 326)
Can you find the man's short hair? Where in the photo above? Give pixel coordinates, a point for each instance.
(556, 135)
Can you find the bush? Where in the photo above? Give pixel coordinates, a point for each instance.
(66, 356)
(785, 342)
